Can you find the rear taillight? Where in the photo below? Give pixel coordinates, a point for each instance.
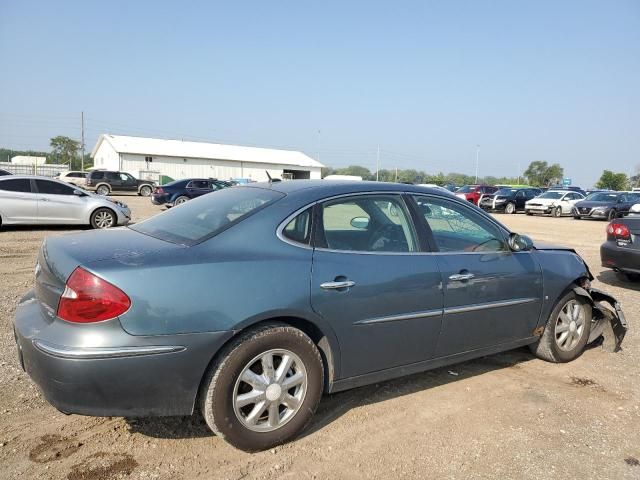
(158, 190)
(618, 231)
(88, 298)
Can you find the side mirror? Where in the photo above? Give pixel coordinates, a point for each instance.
(360, 223)
(79, 193)
(520, 243)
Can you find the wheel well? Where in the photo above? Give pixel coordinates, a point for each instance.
(102, 208)
(144, 185)
(309, 328)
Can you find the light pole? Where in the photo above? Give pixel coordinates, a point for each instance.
(477, 160)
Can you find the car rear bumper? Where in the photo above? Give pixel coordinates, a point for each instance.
(160, 199)
(623, 259)
(99, 369)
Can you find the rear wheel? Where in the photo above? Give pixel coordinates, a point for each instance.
(145, 190)
(103, 218)
(103, 190)
(264, 388)
(510, 208)
(567, 330)
(180, 200)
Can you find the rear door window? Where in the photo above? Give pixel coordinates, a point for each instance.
(16, 185)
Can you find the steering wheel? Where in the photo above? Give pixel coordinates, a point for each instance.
(477, 247)
(386, 232)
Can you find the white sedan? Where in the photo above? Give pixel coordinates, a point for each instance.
(553, 202)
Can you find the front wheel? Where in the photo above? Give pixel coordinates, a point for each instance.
(528, 212)
(567, 330)
(103, 218)
(264, 388)
(612, 215)
(557, 212)
(510, 208)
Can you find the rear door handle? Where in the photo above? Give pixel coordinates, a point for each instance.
(461, 277)
(336, 285)
(43, 199)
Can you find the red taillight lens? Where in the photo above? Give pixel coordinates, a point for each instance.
(88, 298)
(158, 190)
(618, 231)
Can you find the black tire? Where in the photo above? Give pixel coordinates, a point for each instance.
(103, 190)
(103, 218)
(145, 191)
(510, 208)
(219, 384)
(557, 212)
(528, 212)
(612, 215)
(547, 347)
(181, 199)
(576, 218)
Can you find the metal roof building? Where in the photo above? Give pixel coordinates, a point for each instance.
(151, 157)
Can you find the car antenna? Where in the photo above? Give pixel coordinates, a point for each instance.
(269, 176)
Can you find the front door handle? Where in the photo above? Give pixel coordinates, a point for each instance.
(461, 277)
(43, 199)
(336, 285)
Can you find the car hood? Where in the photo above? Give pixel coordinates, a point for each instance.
(538, 245)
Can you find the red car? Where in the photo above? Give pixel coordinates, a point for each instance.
(472, 193)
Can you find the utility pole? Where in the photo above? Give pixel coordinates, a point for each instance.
(82, 141)
(477, 161)
(396, 174)
(378, 165)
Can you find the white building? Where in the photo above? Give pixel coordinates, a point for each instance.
(28, 160)
(150, 157)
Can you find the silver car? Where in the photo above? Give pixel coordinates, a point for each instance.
(31, 200)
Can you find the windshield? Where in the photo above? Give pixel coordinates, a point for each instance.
(602, 197)
(466, 189)
(506, 192)
(552, 195)
(200, 219)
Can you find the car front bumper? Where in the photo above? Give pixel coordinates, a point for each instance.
(100, 370)
(541, 209)
(598, 214)
(623, 259)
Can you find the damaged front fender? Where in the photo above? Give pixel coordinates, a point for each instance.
(608, 322)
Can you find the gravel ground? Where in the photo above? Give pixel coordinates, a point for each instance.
(505, 416)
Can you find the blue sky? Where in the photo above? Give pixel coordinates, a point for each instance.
(426, 81)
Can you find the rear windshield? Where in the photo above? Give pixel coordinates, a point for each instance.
(199, 219)
(552, 195)
(506, 192)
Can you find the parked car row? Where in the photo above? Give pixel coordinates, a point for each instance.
(181, 191)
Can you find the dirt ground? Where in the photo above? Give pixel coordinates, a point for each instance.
(505, 416)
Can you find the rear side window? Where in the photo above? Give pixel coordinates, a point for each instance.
(97, 175)
(299, 229)
(53, 188)
(16, 185)
(200, 219)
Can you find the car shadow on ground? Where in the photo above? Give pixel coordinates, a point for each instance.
(334, 406)
(44, 228)
(617, 280)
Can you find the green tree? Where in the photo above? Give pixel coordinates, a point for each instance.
(541, 174)
(356, 170)
(613, 181)
(65, 150)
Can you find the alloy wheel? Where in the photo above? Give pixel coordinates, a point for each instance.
(570, 325)
(270, 390)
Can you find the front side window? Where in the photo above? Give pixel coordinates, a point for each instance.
(368, 223)
(53, 188)
(459, 229)
(203, 218)
(16, 185)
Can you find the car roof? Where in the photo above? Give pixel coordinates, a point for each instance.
(30, 177)
(337, 187)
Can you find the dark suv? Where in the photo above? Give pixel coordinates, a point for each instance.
(103, 182)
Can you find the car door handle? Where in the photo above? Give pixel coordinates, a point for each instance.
(461, 277)
(43, 199)
(336, 285)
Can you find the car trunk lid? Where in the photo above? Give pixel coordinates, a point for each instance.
(60, 256)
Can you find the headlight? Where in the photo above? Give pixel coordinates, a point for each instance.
(600, 209)
(501, 200)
